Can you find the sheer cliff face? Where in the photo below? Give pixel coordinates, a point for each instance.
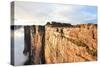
(34, 44)
(61, 43)
(70, 44)
(37, 44)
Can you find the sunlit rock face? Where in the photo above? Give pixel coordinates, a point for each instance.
(61, 43)
(72, 43)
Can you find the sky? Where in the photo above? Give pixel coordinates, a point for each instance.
(33, 13)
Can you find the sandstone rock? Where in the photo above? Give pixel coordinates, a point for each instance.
(70, 44)
(62, 43)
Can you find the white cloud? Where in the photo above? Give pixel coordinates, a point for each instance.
(19, 33)
(19, 47)
(29, 13)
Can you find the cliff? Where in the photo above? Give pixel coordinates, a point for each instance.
(70, 43)
(62, 43)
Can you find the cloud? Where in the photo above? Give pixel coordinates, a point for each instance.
(19, 47)
(29, 13)
(19, 32)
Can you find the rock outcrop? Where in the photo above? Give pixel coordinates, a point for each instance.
(75, 43)
(34, 44)
(63, 43)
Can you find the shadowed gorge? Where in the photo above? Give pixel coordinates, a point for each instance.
(60, 43)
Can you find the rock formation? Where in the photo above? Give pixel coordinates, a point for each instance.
(62, 43)
(75, 43)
